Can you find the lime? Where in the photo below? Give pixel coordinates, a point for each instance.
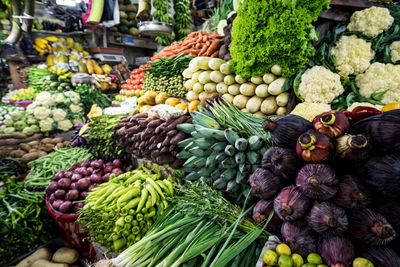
(270, 257)
(362, 262)
(283, 249)
(314, 258)
(322, 265)
(297, 260)
(285, 261)
(308, 265)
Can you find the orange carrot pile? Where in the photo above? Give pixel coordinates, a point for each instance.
(202, 44)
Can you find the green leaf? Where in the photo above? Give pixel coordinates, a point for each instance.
(379, 96)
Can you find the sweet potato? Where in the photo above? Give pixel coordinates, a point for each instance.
(30, 156)
(25, 147)
(40, 254)
(60, 145)
(33, 143)
(66, 143)
(154, 123)
(57, 140)
(172, 133)
(165, 149)
(177, 138)
(33, 150)
(166, 142)
(17, 153)
(46, 140)
(13, 135)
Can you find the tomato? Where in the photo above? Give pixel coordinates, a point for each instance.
(124, 86)
(130, 87)
(391, 106)
(135, 71)
(135, 82)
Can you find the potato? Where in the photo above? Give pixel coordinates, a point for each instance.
(48, 147)
(17, 153)
(269, 78)
(228, 97)
(33, 143)
(46, 263)
(60, 145)
(33, 150)
(30, 156)
(66, 255)
(275, 88)
(46, 140)
(40, 254)
(269, 105)
(25, 147)
(57, 140)
(277, 70)
(42, 153)
(281, 111)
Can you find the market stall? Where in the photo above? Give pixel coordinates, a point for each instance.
(270, 137)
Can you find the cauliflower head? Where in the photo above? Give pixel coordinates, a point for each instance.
(46, 125)
(41, 113)
(31, 108)
(380, 77)
(353, 55)
(59, 114)
(44, 99)
(371, 21)
(75, 108)
(395, 51)
(75, 98)
(310, 110)
(363, 104)
(320, 85)
(78, 120)
(64, 125)
(60, 98)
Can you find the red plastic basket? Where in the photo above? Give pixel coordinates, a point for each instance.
(71, 230)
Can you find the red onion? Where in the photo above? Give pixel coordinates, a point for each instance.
(57, 203)
(68, 174)
(291, 204)
(90, 170)
(59, 194)
(117, 163)
(74, 186)
(59, 175)
(78, 206)
(51, 188)
(72, 195)
(64, 183)
(96, 164)
(76, 177)
(66, 206)
(86, 163)
(83, 195)
(108, 169)
(52, 198)
(117, 171)
(95, 178)
(74, 166)
(83, 184)
(106, 177)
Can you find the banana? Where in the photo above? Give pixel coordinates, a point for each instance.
(41, 43)
(51, 39)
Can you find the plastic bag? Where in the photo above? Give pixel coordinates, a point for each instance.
(165, 112)
(81, 78)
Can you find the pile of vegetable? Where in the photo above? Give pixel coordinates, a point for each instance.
(312, 180)
(220, 158)
(90, 96)
(55, 111)
(35, 75)
(266, 33)
(165, 75)
(100, 138)
(261, 96)
(196, 44)
(7, 110)
(134, 84)
(73, 184)
(10, 168)
(24, 221)
(119, 212)
(46, 167)
(24, 94)
(127, 14)
(201, 228)
(62, 257)
(16, 121)
(51, 82)
(227, 30)
(355, 63)
(31, 150)
(152, 138)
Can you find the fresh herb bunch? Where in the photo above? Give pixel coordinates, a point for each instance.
(24, 222)
(90, 95)
(169, 67)
(102, 144)
(271, 32)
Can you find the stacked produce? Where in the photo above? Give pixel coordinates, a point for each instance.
(51, 82)
(100, 138)
(312, 180)
(195, 44)
(91, 66)
(7, 110)
(43, 257)
(91, 96)
(165, 75)
(16, 120)
(24, 94)
(73, 184)
(25, 223)
(259, 95)
(46, 167)
(77, 139)
(220, 158)
(53, 111)
(127, 14)
(182, 18)
(355, 63)
(224, 49)
(64, 74)
(119, 212)
(133, 85)
(152, 138)
(34, 76)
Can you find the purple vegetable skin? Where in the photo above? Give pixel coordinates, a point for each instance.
(66, 206)
(59, 194)
(72, 195)
(57, 203)
(64, 183)
(83, 184)
(51, 188)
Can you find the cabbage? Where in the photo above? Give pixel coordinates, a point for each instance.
(9, 130)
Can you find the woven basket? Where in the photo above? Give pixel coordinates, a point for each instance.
(71, 230)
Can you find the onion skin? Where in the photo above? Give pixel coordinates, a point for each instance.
(371, 227)
(381, 256)
(314, 147)
(283, 162)
(317, 181)
(352, 193)
(291, 204)
(332, 123)
(326, 217)
(300, 237)
(337, 251)
(265, 184)
(285, 130)
(353, 148)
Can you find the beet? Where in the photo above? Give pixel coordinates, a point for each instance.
(59, 175)
(327, 218)
(74, 186)
(337, 251)
(108, 169)
(66, 206)
(96, 164)
(291, 204)
(283, 162)
(74, 166)
(371, 227)
(90, 170)
(57, 203)
(117, 171)
(352, 193)
(83, 184)
(300, 237)
(261, 213)
(59, 194)
(68, 174)
(52, 187)
(265, 184)
(83, 171)
(72, 195)
(317, 181)
(86, 162)
(64, 183)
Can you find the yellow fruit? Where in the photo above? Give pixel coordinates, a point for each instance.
(182, 106)
(70, 42)
(41, 43)
(391, 106)
(172, 101)
(86, 53)
(94, 111)
(270, 257)
(52, 39)
(193, 106)
(297, 260)
(50, 60)
(106, 69)
(314, 258)
(89, 66)
(144, 109)
(283, 249)
(160, 98)
(362, 262)
(137, 93)
(97, 68)
(285, 261)
(151, 94)
(141, 101)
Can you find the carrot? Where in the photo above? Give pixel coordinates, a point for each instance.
(213, 47)
(215, 54)
(198, 46)
(203, 50)
(204, 39)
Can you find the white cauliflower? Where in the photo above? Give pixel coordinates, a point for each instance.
(31, 108)
(78, 120)
(44, 99)
(60, 98)
(41, 113)
(353, 55)
(363, 104)
(320, 85)
(395, 51)
(75, 108)
(310, 110)
(59, 114)
(75, 98)
(380, 77)
(64, 125)
(371, 21)
(46, 125)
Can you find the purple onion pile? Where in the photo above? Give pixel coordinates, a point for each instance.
(335, 186)
(70, 186)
